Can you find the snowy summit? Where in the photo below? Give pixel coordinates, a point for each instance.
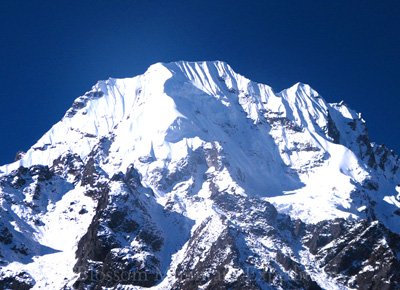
(192, 176)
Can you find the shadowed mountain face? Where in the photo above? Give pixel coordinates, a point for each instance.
(191, 176)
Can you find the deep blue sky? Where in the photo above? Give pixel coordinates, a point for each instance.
(53, 51)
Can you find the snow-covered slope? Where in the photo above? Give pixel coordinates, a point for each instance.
(160, 171)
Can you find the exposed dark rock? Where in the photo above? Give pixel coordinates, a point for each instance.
(81, 102)
(89, 174)
(94, 246)
(324, 234)
(94, 94)
(263, 220)
(383, 154)
(212, 266)
(22, 249)
(301, 279)
(41, 172)
(16, 178)
(104, 255)
(18, 182)
(19, 155)
(278, 121)
(366, 150)
(363, 255)
(132, 178)
(68, 164)
(77, 105)
(5, 235)
(352, 124)
(118, 177)
(121, 267)
(117, 221)
(21, 281)
(82, 211)
(332, 130)
(36, 192)
(371, 185)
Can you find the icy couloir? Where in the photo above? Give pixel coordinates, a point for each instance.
(192, 176)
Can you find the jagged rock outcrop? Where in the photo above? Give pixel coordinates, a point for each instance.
(106, 254)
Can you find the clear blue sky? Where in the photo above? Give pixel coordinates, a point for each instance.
(53, 51)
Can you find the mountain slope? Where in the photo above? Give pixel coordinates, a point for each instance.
(192, 176)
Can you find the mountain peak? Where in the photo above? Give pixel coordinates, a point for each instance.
(191, 65)
(151, 172)
(303, 89)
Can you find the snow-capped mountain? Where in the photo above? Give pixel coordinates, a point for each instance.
(192, 176)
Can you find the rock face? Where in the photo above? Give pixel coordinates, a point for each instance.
(363, 255)
(191, 176)
(105, 253)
